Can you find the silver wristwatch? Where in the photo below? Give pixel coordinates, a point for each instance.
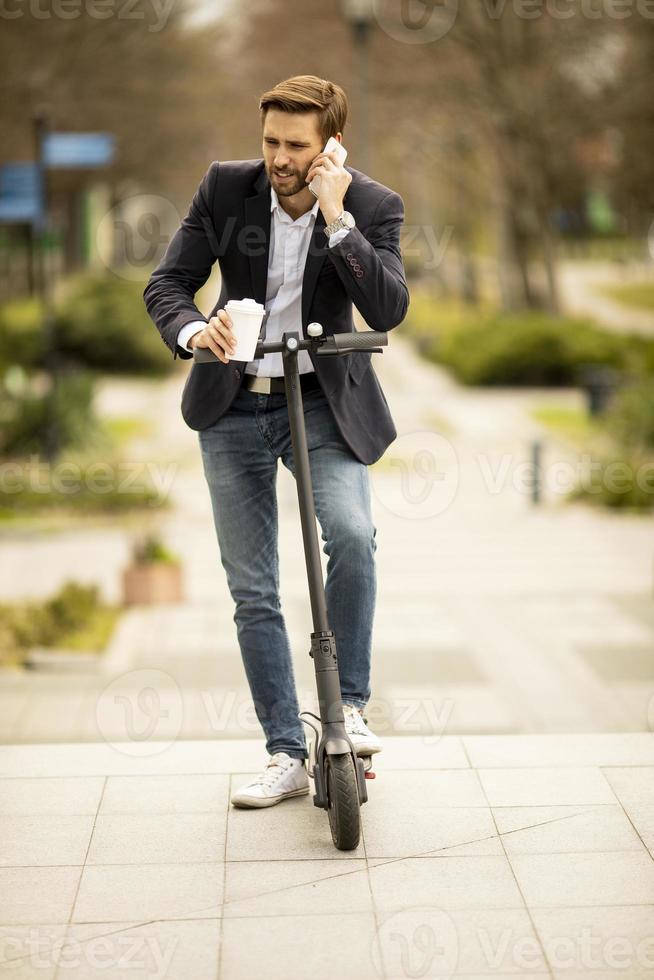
(344, 220)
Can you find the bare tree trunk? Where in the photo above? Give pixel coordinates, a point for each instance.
(469, 278)
(512, 261)
(549, 261)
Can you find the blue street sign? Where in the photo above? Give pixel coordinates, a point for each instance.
(78, 149)
(20, 193)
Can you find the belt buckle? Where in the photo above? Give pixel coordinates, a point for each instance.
(259, 385)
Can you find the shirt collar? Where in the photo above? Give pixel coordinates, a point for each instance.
(303, 220)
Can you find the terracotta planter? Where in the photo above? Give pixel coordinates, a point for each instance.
(155, 582)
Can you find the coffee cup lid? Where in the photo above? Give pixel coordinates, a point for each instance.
(246, 305)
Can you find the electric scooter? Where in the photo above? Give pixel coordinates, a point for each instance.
(339, 775)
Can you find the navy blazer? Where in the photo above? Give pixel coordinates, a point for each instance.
(229, 222)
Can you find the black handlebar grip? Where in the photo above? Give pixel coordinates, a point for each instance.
(361, 340)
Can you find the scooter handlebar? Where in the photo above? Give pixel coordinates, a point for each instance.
(360, 340)
(334, 344)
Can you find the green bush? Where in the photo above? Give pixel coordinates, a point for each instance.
(101, 322)
(527, 349)
(150, 549)
(638, 355)
(72, 606)
(430, 319)
(483, 346)
(630, 419)
(79, 489)
(20, 333)
(24, 415)
(621, 481)
(44, 623)
(75, 613)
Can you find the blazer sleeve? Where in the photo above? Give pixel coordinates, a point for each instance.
(371, 267)
(184, 268)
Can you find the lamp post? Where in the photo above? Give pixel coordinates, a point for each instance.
(41, 123)
(359, 15)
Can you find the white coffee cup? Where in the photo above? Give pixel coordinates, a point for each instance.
(246, 316)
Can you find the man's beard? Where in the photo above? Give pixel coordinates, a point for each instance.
(289, 187)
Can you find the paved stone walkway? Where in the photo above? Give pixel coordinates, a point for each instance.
(582, 282)
(481, 857)
(494, 614)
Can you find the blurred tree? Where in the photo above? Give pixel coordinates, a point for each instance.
(500, 123)
(146, 76)
(523, 87)
(630, 114)
(484, 122)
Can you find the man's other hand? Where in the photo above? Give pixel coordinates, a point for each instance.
(217, 335)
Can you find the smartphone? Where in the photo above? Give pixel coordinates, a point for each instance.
(332, 144)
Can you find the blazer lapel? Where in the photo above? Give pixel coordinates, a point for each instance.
(257, 216)
(315, 258)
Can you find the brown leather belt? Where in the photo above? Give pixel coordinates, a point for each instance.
(275, 386)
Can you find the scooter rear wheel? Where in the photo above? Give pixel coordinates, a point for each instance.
(343, 801)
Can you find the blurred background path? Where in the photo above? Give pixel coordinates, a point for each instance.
(494, 614)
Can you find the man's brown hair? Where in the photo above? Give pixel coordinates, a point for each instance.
(306, 93)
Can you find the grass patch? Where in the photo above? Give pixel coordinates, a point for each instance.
(122, 429)
(571, 423)
(637, 295)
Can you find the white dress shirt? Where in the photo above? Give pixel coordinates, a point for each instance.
(289, 246)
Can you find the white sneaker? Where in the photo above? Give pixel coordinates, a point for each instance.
(364, 741)
(282, 777)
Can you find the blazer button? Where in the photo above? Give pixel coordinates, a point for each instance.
(359, 274)
(237, 373)
(349, 256)
(356, 267)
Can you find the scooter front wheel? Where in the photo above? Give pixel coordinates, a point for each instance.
(343, 801)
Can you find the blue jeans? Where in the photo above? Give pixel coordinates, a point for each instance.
(239, 455)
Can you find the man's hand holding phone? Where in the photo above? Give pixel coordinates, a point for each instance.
(334, 179)
(217, 335)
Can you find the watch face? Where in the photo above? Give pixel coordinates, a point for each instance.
(347, 219)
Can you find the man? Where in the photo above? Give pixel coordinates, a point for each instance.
(306, 260)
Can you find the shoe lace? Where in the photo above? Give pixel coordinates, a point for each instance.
(273, 770)
(354, 720)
